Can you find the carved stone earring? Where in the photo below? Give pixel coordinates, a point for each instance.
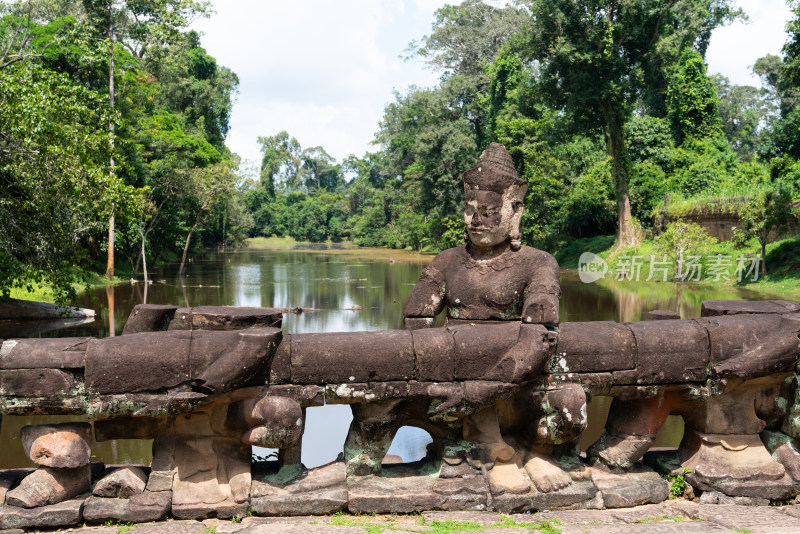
(516, 241)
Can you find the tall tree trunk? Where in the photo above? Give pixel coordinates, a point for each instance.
(110, 264)
(144, 265)
(763, 258)
(186, 246)
(615, 147)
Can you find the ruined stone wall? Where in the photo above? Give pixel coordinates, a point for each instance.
(721, 225)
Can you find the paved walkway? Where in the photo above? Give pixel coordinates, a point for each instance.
(666, 518)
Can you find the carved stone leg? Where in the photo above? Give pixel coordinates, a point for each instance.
(562, 419)
(500, 458)
(631, 429)
(370, 435)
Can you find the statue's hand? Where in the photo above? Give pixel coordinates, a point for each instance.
(451, 395)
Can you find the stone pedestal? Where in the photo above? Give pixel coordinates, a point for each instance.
(733, 464)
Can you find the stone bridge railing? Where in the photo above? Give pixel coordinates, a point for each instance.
(206, 384)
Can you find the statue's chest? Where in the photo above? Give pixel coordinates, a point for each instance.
(473, 295)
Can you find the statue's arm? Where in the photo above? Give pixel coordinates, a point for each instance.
(543, 292)
(426, 299)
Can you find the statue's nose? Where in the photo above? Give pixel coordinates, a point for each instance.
(476, 219)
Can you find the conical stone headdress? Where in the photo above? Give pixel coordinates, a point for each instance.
(494, 172)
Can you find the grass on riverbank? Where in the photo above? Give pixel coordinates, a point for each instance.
(271, 243)
(83, 281)
(783, 262)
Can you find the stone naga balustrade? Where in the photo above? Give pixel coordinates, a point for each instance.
(208, 383)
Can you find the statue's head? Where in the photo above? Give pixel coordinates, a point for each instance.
(494, 196)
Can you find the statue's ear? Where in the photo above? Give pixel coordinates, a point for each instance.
(517, 217)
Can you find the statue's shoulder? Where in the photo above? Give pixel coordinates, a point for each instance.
(534, 255)
(449, 256)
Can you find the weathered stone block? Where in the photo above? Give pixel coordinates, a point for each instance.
(121, 483)
(307, 395)
(668, 351)
(149, 318)
(52, 353)
(574, 493)
(714, 308)
(200, 511)
(36, 382)
(114, 365)
(223, 361)
(57, 515)
(435, 351)
(47, 485)
(225, 318)
(59, 445)
(313, 502)
(641, 486)
(661, 315)
(593, 347)
(479, 348)
(731, 336)
(10, 477)
(401, 495)
(141, 508)
(280, 370)
(352, 357)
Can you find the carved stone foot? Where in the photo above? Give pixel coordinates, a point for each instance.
(545, 473)
(507, 477)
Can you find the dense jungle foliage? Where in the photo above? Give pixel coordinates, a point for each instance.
(111, 110)
(605, 130)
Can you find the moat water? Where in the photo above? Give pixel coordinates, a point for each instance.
(333, 281)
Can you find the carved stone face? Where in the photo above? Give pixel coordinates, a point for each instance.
(490, 219)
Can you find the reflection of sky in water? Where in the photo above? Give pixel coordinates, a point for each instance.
(247, 280)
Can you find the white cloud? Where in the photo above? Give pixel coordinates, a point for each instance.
(321, 70)
(734, 49)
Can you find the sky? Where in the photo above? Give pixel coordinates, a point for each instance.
(324, 70)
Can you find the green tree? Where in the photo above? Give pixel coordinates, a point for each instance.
(428, 145)
(680, 240)
(466, 37)
(280, 163)
(55, 185)
(208, 186)
(320, 169)
(766, 216)
(744, 112)
(600, 58)
(692, 102)
(139, 25)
